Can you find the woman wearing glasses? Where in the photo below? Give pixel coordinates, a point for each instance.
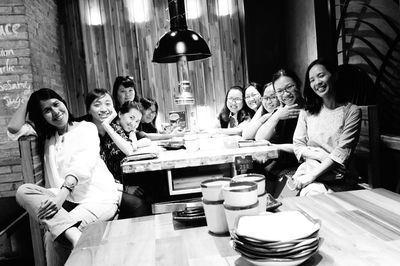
(235, 115)
(280, 126)
(269, 104)
(327, 132)
(124, 90)
(252, 95)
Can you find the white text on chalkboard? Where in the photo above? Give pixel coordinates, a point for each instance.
(6, 52)
(12, 85)
(7, 68)
(9, 29)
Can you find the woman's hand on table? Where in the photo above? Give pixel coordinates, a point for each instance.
(178, 132)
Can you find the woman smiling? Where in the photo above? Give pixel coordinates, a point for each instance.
(326, 134)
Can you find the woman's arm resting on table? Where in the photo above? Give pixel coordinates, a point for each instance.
(143, 142)
(177, 132)
(249, 132)
(287, 147)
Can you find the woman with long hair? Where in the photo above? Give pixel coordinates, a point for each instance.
(327, 132)
(235, 115)
(82, 189)
(252, 96)
(148, 125)
(280, 126)
(124, 90)
(269, 104)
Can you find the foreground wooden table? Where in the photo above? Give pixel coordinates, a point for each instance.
(358, 228)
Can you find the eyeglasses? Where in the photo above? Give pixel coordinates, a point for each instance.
(271, 98)
(236, 100)
(251, 96)
(288, 88)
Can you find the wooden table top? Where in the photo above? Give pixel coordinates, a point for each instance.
(358, 228)
(183, 158)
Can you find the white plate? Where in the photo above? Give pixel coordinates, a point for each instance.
(278, 262)
(277, 227)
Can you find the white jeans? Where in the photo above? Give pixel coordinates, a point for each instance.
(30, 196)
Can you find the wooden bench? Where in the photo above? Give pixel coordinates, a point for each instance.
(32, 171)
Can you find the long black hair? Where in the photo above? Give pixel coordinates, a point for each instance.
(313, 103)
(259, 88)
(147, 103)
(126, 82)
(35, 114)
(242, 115)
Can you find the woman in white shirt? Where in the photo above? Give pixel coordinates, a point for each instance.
(327, 132)
(79, 188)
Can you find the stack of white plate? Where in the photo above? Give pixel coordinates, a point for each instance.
(283, 238)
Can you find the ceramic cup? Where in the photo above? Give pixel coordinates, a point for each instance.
(212, 188)
(240, 194)
(232, 212)
(259, 179)
(215, 216)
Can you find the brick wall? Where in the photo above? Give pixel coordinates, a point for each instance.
(30, 59)
(45, 45)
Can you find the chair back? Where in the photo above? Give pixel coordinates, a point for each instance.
(32, 171)
(355, 85)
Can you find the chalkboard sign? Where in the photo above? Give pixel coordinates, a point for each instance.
(15, 71)
(242, 164)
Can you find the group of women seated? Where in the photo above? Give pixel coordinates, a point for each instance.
(315, 131)
(82, 156)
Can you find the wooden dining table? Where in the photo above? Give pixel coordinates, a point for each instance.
(357, 228)
(222, 151)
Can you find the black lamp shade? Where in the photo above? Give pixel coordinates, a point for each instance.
(177, 43)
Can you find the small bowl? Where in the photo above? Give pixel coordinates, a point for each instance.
(232, 212)
(240, 194)
(259, 179)
(215, 216)
(212, 188)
